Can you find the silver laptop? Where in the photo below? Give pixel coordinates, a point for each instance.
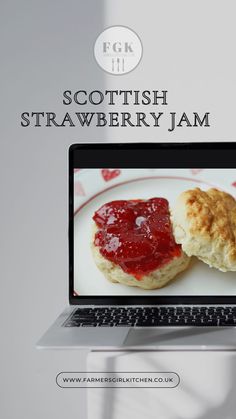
(125, 288)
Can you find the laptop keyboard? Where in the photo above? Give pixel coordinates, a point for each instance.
(152, 316)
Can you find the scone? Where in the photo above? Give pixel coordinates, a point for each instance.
(204, 223)
(133, 243)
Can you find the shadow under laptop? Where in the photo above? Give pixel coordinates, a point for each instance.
(227, 408)
(206, 389)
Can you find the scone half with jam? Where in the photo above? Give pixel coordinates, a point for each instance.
(133, 243)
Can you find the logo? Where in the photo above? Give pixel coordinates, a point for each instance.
(118, 50)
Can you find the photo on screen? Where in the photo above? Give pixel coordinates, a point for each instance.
(127, 232)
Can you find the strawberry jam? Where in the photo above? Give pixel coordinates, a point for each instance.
(136, 235)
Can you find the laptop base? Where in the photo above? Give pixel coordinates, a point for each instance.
(148, 338)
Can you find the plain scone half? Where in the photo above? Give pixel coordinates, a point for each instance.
(204, 223)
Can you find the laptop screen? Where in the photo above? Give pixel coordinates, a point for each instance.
(153, 231)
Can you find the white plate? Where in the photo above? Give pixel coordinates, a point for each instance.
(94, 191)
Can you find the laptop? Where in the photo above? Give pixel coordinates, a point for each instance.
(120, 294)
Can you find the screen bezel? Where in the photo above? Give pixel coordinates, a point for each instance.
(144, 155)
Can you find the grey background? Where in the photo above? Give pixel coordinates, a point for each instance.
(46, 48)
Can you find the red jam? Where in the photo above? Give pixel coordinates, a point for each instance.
(136, 235)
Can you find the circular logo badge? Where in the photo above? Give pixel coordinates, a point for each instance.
(118, 50)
